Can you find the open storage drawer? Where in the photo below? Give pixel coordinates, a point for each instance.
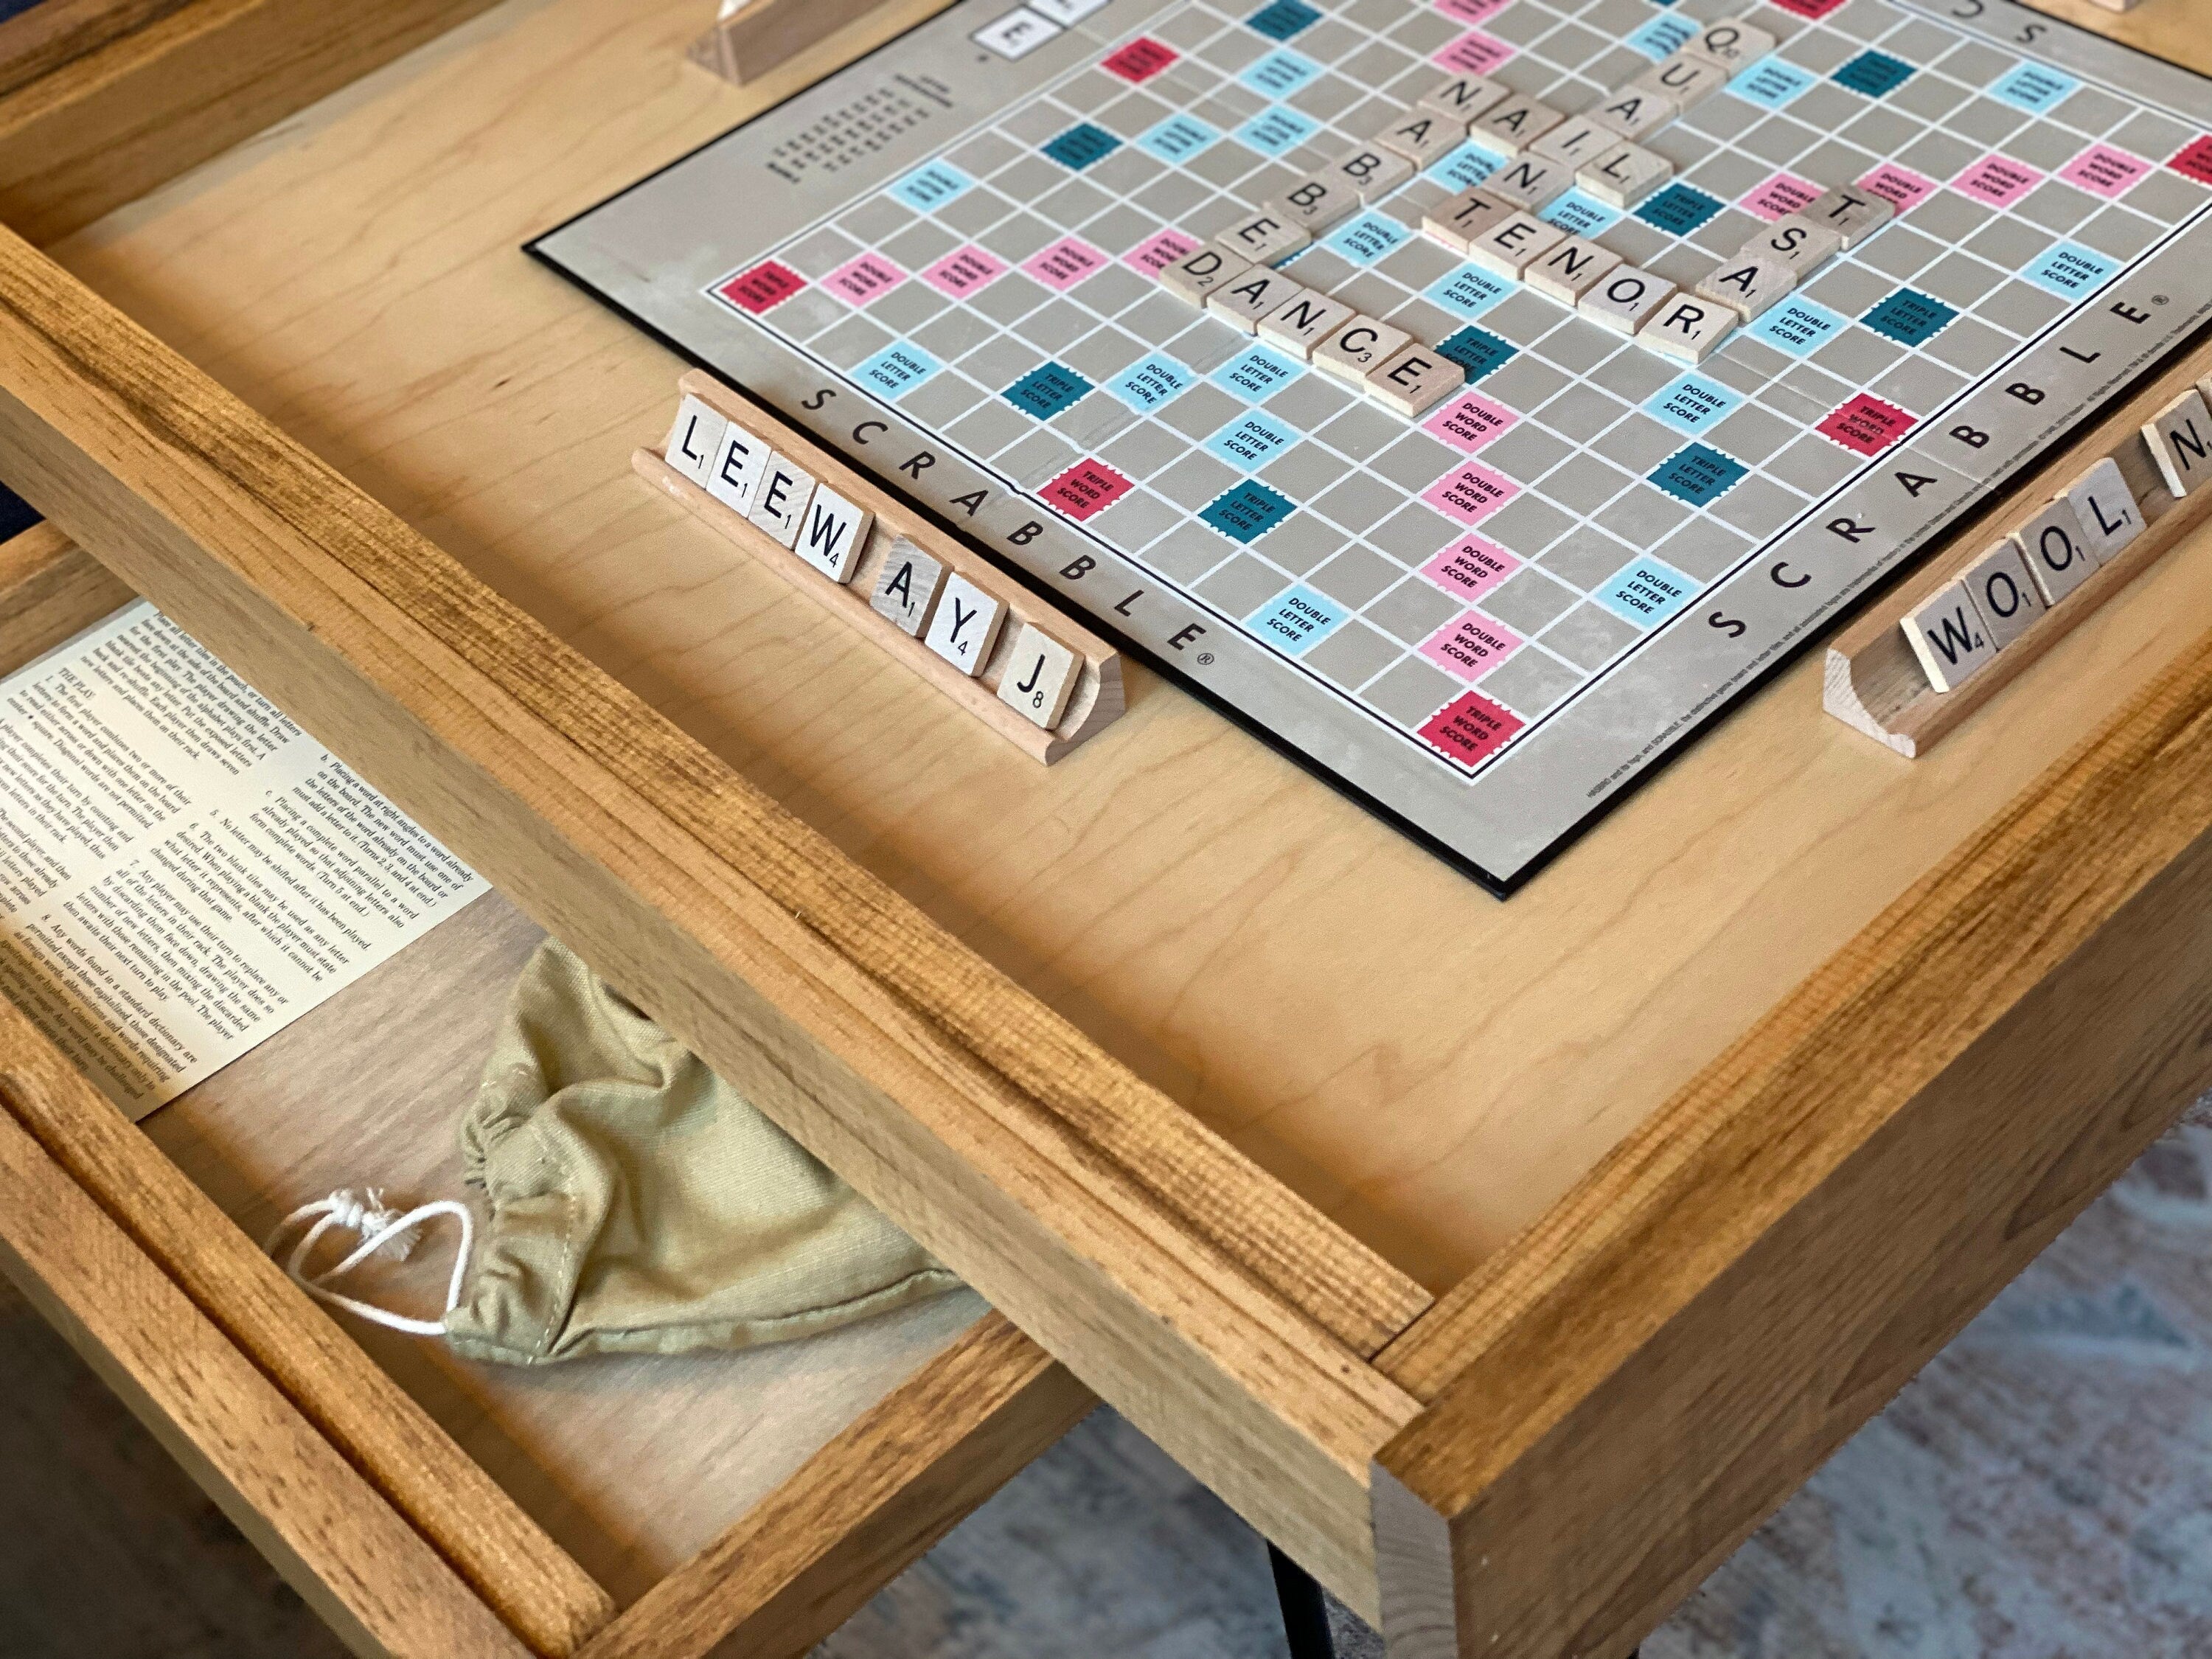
(1505, 1265)
(425, 1503)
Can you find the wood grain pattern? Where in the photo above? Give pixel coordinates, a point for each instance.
(1081, 1201)
(1753, 1273)
(1096, 701)
(412, 1462)
(1871, 681)
(1430, 1067)
(35, 42)
(101, 127)
(886, 1489)
(1208, 913)
(366, 1572)
(50, 589)
(2173, 29)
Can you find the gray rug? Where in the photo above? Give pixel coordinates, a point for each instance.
(2042, 1490)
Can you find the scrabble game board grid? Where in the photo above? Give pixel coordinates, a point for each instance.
(1217, 38)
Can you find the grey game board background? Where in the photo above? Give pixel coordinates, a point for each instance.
(1604, 700)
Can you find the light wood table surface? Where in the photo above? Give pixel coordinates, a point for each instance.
(1431, 1067)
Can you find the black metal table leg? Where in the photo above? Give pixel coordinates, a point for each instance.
(1305, 1620)
(1305, 1616)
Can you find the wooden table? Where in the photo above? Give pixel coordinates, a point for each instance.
(1505, 1263)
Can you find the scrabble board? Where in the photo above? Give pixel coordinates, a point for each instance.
(1486, 607)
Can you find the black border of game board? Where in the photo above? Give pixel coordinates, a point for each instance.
(1498, 888)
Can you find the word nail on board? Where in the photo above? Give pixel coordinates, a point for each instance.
(1028, 671)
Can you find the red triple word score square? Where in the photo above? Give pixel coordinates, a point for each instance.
(767, 284)
(1085, 490)
(1866, 425)
(1469, 728)
(2194, 160)
(1140, 60)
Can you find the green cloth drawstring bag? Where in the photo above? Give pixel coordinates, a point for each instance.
(638, 1204)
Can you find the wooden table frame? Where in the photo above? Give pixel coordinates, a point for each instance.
(1262, 1346)
(100, 100)
(1541, 1461)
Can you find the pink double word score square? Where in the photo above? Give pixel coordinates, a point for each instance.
(963, 271)
(1469, 421)
(1064, 264)
(2103, 171)
(865, 279)
(1470, 493)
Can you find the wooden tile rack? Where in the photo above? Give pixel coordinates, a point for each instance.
(1872, 681)
(1095, 700)
(765, 34)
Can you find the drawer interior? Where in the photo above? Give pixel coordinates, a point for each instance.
(631, 1464)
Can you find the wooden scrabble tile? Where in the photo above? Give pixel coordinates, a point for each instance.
(1421, 135)
(1040, 674)
(780, 503)
(1685, 78)
(2005, 594)
(1266, 238)
(1623, 300)
(1635, 112)
(1198, 274)
(1508, 129)
(1687, 329)
(693, 439)
(906, 586)
(1571, 270)
(1747, 285)
(2107, 509)
(1795, 241)
(1414, 381)
(736, 473)
(966, 625)
(2056, 554)
(1509, 247)
(1853, 214)
(1243, 300)
(1575, 141)
(1470, 214)
(1949, 637)
(1734, 44)
(1530, 181)
(2180, 440)
(1464, 97)
(1371, 172)
(1316, 203)
(835, 535)
(1357, 347)
(1307, 319)
(1624, 175)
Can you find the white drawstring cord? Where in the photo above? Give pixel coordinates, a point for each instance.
(382, 1230)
